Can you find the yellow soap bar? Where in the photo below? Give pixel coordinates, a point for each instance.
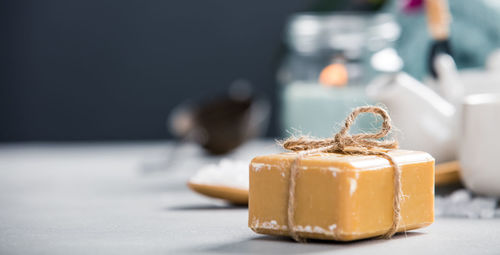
(340, 197)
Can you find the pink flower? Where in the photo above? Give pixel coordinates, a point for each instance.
(412, 6)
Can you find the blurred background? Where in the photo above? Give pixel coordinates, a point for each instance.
(115, 70)
(108, 70)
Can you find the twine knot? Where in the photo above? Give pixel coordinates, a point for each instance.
(343, 142)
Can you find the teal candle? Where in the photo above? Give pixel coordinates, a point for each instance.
(319, 111)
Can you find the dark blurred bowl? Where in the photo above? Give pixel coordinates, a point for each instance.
(220, 125)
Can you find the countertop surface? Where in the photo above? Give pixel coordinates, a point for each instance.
(131, 198)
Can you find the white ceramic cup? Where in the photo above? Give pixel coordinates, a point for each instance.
(480, 143)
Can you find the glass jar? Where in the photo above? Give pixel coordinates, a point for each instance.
(354, 46)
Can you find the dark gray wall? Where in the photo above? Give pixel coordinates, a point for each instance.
(100, 69)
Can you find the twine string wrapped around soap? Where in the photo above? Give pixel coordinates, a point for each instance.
(343, 142)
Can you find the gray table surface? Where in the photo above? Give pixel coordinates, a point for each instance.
(131, 198)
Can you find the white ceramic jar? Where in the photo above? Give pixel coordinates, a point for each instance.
(480, 143)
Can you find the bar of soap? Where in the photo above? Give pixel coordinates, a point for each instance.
(340, 197)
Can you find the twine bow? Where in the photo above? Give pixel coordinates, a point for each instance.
(343, 142)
